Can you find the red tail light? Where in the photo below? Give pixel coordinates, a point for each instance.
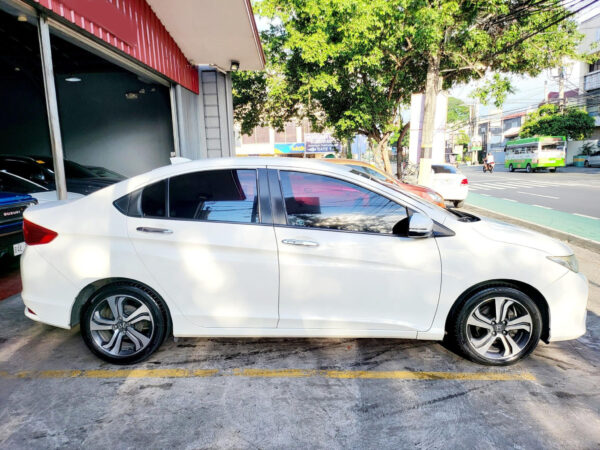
(36, 234)
(464, 181)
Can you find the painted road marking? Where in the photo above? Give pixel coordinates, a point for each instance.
(538, 195)
(509, 199)
(540, 206)
(589, 217)
(268, 373)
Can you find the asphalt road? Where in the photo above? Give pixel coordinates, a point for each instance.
(571, 189)
(296, 393)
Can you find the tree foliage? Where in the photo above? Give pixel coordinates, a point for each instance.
(457, 111)
(351, 65)
(547, 120)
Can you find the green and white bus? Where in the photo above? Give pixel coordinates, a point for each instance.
(535, 153)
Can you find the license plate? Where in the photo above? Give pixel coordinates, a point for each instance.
(18, 248)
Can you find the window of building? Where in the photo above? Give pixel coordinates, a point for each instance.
(595, 66)
(317, 201)
(217, 195)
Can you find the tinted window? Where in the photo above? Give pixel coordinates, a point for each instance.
(154, 200)
(220, 195)
(324, 202)
(23, 169)
(443, 169)
(11, 183)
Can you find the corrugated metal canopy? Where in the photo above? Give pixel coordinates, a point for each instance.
(213, 32)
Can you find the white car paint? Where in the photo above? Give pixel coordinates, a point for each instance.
(51, 196)
(240, 280)
(449, 185)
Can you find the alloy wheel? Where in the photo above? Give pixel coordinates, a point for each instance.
(499, 328)
(121, 325)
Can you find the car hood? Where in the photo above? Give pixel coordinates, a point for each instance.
(513, 234)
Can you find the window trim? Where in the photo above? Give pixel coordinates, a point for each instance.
(280, 203)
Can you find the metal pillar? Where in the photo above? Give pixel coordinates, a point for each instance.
(52, 109)
(175, 120)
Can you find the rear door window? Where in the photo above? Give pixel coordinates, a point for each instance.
(216, 195)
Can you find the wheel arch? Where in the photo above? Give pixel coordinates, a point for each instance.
(527, 289)
(88, 291)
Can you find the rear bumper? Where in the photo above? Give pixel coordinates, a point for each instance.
(50, 302)
(567, 301)
(455, 193)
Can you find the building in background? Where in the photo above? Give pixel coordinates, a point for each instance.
(296, 140)
(122, 84)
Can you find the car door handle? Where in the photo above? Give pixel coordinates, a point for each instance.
(154, 230)
(300, 242)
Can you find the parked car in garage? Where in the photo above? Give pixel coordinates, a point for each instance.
(40, 170)
(421, 191)
(592, 160)
(10, 182)
(103, 172)
(450, 183)
(287, 247)
(12, 206)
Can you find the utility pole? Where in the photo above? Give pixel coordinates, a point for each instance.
(561, 87)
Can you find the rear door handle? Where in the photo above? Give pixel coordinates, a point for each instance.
(300, 242)
(154, 230)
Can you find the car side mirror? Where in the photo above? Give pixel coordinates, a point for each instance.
(420, 226)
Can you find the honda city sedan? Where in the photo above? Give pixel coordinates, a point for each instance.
(290, 248)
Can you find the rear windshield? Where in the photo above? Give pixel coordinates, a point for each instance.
(443, 169)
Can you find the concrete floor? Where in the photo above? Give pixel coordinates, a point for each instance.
(232, 393)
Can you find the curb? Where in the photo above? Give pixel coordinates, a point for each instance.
(562, 235)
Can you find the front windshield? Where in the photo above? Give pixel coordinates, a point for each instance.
(18, 185)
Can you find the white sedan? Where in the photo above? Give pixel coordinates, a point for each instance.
(450, 183)
(286, 247)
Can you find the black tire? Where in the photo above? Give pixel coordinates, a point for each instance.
(152, 327)
(528, 168)
(511, 168)
(458, 203)
(553, 170)
(483, 169)
(462, 334)
(586, 163)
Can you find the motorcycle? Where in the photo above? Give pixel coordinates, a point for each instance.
(488, 167)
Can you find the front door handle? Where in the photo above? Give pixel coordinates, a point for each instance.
(300, 242)
(154, 230)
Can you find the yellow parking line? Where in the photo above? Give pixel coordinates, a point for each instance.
(270, 373)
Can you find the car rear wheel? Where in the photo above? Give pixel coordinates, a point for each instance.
(458, 203)
(497, 326)
(123, 324)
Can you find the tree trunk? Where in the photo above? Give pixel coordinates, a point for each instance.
(432, 88)
(381, 154)
(399, 155)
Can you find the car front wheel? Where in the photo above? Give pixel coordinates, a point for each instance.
(497, 326)
(123, 324)
(511, 168)
(528, 168)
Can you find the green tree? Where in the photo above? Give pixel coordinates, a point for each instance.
(352, 64)
(457, 111)
(547, 120)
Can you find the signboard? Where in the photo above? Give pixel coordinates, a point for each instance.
(289, 149)
(321, 143)
(476, 144)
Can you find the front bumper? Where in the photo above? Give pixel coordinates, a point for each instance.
(567, 301)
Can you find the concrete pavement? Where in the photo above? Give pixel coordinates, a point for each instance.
(296, 393)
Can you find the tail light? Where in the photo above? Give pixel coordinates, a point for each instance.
(464, 181)
(36, 234)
